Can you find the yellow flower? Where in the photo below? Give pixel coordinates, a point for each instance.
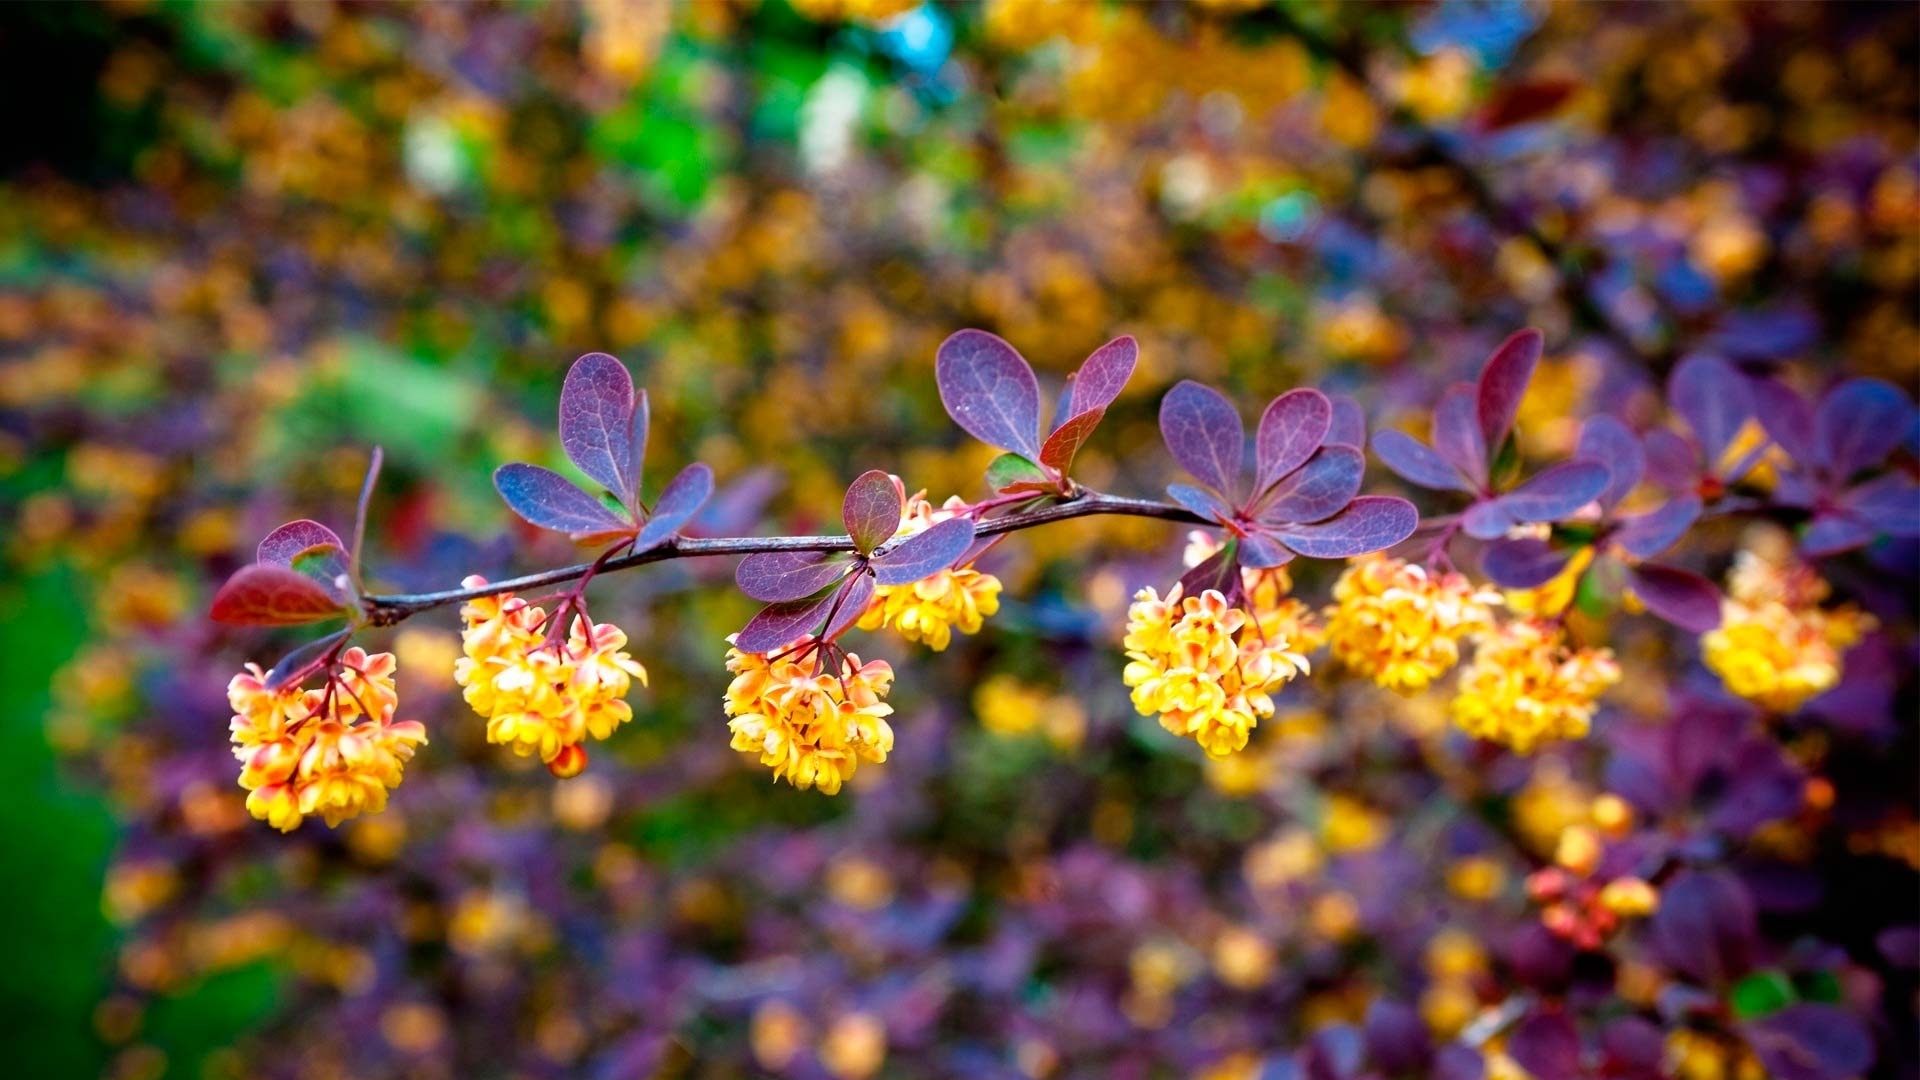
(1206, 668)
(1775, 645)
(928, 610)
(1401, 626)
(1527, 687)
(543, 696)
(1267, 592)
(810, 725)
(332, 751)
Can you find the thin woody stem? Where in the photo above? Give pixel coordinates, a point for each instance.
(386, 610)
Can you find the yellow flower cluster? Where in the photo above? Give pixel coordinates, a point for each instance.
(813, 726)
(334, 751)
(1776, 646)
(1400, 625)
(543, 695)
(1205, 667)
(1269, 598)
(928, 610)
(1527, 687)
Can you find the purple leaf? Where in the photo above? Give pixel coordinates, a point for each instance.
(1832, 533)
(1219, 572)
(1203, 432)
(871, 510)
(1349, 427)
(1859, 424)
(1522, 563)
(597, 423)
(1317, 490)
(1369, 523)
(545, 498)
(990, 391)
(1785, 415)
(780, 576)
(1457, 437)
(1396, 1037)
(1653, 532)
(1889, 503)
(283, 543)
(1546, 1045)
(1705, 926)
(1503, 382)
(1614, 445)
(302, 662)
(1293, 426)
(1486, 520)
(1672, 461)
(263, 594)
(1416, 463)
(1634, 1047)
(1202, 502)
(1812, 1041)
(1261, 551)
(849, 603)
(1100, 379)
(1555, 492)
(678, 503)
(781, 624)
(1058, 450)
(924, 553)
(1711, 395)
(1681, 597)
(1455, 1062)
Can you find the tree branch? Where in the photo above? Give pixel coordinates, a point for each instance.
(390, 609)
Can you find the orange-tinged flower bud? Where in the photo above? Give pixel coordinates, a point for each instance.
(569, 762)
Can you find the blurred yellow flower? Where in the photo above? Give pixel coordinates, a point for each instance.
(1400, 625)
(1775, 645)
(1526, 687)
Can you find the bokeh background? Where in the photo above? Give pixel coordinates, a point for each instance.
(242, 243)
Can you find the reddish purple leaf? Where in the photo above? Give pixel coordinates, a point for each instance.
(1655, 531)
(263, 594)
(1201, 501)
(683, 497)
(1521, 103)
(1261, 551)
(1889, 503)
(1416, 463)
(1397, 1039)
(1369, 523)
(1681, 597)
(1859, 424)
(780, 576)
(1457, 437)
(782, 624)
(924, 554)
(871, 510)
(297, 666)
(1099, 380)
(1785, 415)
(1219, 572)
(1526, 562)
(990, 391)
(1705, 926)
(1711, 395)
(1349, 427)
(1547, 1045)
(850, 602)
(1812, 1041)
(1203, 432)
(1059, 448)
(597, 424)
(1673, 461)
(545, 498)
(1833, 533)
(1556, 491)
(283, 543)
(1503, 382)
(1316, 490)
(1486, 520)
(1635, 1048)
(1294, 425)
(1614, 445)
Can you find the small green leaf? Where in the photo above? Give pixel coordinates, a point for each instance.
(1010, 469)
(1761, 994)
